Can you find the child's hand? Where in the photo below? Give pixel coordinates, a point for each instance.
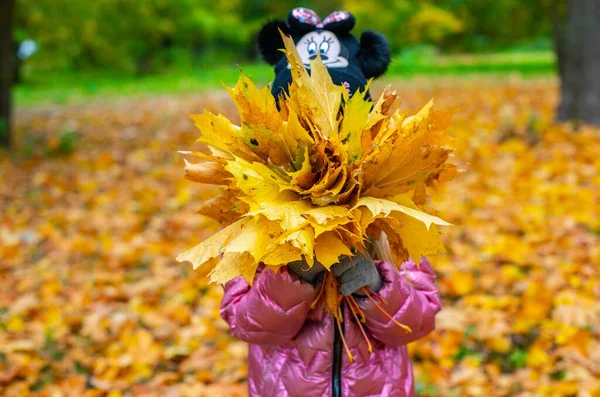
(300, 269)
(357, 272)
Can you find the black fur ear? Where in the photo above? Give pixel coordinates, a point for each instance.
(269, 42)
(374, 54)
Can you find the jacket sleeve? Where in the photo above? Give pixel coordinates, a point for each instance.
(412, 300)
(272, 311)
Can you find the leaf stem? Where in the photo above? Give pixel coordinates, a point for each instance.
(358, 309)
(319, 295)
(339, 325)
(350, 301)
(376, 295)
(382, 310)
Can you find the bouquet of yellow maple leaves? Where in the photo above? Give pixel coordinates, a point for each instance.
(315, 177)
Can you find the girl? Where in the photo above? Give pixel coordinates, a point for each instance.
(296, 350)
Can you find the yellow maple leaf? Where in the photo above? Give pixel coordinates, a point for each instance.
(384, 207)
(225, 208)
(282, 255)
(255, 238)
(207, 172)
(234, 264)
(328, 248)
(256, 180)
(315, 95)
(352, 128)
(318, 176)
(212, 247)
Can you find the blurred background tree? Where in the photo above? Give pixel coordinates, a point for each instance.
(578, 50)
(52, 39)
(6, 67)
(142, 37)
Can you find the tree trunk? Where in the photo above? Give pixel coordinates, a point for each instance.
(6, 69)
(580, 64)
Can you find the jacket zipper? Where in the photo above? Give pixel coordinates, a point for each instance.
(336, 378)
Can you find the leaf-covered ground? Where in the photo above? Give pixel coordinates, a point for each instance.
(95, 208)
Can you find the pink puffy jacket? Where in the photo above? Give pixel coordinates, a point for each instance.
(297, 352)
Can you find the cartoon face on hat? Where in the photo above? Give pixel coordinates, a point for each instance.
(323, 43)
(349, 62)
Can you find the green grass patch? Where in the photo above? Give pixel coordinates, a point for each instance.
(425, 60)
(63, 88)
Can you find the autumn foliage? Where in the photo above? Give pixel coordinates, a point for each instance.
(317, 176)
(92, 302)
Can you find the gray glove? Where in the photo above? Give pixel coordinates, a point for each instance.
(300, 269)
(356, 272)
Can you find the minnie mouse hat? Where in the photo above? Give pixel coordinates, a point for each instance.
(349, 62)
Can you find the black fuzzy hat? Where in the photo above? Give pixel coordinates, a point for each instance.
(349, 62)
